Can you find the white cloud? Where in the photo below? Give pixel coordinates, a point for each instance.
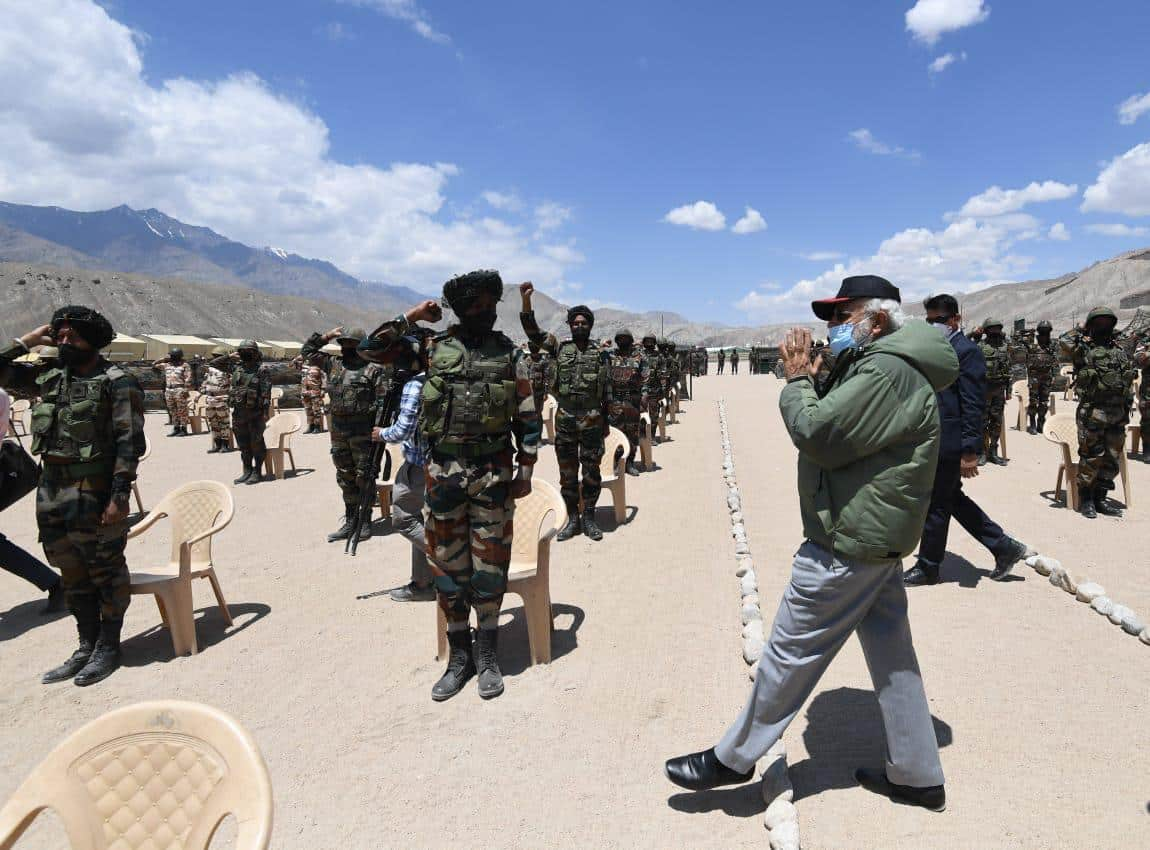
(866, 141)
(85, 129)
(407, 11)
(1059, 233)
(945, 61)
(751, 222)
(823, 256)
(1123, 186)
(701, 215)
(550, 216)
(998, 201)
(1131, 109)
(505, 201)
(929, 20)
(1122, 230)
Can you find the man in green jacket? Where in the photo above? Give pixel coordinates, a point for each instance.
(868, 440)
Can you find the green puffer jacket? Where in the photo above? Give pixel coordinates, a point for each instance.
(869, 446)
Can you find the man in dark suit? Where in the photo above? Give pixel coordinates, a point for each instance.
(960, 411)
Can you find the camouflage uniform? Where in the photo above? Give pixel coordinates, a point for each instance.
(734, 361)
(216, 390)
(1142, 361)
(177, 381)
(654, 387)
(250, 396)
(89, 433)
(311, 393)
(1104, 378)
(722, 358)
(355, 393)
(1041, 367)
(541, 367)
(628, 374)
(997, 358)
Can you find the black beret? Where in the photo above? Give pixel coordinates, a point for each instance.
(90, 325)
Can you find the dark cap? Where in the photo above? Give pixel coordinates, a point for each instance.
(581, 310)
(860, 286)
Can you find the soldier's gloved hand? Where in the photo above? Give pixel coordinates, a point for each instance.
(521, 484)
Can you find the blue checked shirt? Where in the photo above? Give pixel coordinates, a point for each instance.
(406, 427)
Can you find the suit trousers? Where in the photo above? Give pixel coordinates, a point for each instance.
(946, 501)
(828, 598)
(407, 493)
(25, 565)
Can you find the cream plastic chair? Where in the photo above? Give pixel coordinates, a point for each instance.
(383, 486)
(158, 775)
(550, 406)
(1067, 370)
(327, 410)
(198, 511)
(673, 408)
(1062, 430)
(136, 484)
(196, 411)
(1021, 391)
(278, 434)
(614, 471)
(538, 518)
(17, 427)
(1135, 432)
(646, 451)
(277, 396)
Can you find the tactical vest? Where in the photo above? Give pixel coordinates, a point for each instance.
(627, 376)
(997, 363)
(1041, 360)
(353, 391)
(72, 420)
(469, 398)
(581, 376)
(538, 369)
(1105, 375)
(655, 367)
(245, 391)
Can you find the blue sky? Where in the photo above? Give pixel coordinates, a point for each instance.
(608, 151)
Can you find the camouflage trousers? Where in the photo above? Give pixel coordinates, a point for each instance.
(350, 448)
(624, 415)
(219, 418)
(1038, 391)
(468, 516)
(992, 416)
(1144, 414)
(177, 401)
(653, 413)
(1101, 441)
(248, 426)
(539, 398)
(313, 409)
(89, 556)
(579, 446)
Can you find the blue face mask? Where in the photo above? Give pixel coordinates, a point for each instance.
(840, 338)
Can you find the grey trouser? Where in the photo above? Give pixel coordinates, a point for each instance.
(407, 495)
(827, 599)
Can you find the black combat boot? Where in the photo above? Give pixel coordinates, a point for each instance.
(1102, 504)
(590, 527)
(344, 531)
(88, 627)
(105, 658)
(572, 527)
(247, 469)
(487, 662)
(257, 473)
(1041, 423)
(992, 456)
(460, 666)
(365, 527)
(175, 432)
(1086, 503)
(632, 469)
(1011, 553)
(216, 447)
(982, 459)
(1031, 429)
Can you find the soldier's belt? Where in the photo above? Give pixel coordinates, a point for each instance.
(55, 471)
(474, 449)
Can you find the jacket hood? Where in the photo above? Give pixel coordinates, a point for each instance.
(924, 348)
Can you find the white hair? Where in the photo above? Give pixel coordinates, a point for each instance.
(896, 318)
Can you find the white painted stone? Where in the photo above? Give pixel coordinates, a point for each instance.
(737, 516)
(1120, 613)
(752, 650)
(1061, 579)
(749, 583)
(1103, 605)
(1044, 566)
(1144, 636)
(741, 548)
(1132, 624)
(754, 631)
(753, 599)
(780, 811)
(776, 783)
(738, 529)
(1030, 560)
(1088, 591)
(785, 836)
(751, 612)
(741, 569)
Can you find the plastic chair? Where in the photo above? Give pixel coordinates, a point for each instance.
(646, 450)
(1021, 391)
(277, 395)
(1062, 430)
(277, 437)
(159, 775)
(1135, 432)
(383, 486)
(672, 407)
(1067, 371)
(614, 471)
(198, 511)
(662, 420)
(327, 410)
(17, 427)
(550, 405)
(538, 518)
(195, 412)
(136, 483)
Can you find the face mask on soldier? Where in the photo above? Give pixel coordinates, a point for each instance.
(72, 356)
(478, 324)
(580, 333)
(247, 356)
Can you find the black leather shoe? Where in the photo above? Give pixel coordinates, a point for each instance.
(343, 532)
(412, 592)
(104, 662)
(1086, 503)
(460, 667)
(920, 575)
(1005, 560)
(1103, 505)
(590, 527)
(486, 654)
(874, 779)
(570, 529)
(703, 771)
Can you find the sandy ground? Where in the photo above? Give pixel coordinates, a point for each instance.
(1039, 702)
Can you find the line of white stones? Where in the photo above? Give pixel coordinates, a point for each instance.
(1093, 595)
(781, 818)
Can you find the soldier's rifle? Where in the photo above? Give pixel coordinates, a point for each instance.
(378, 460)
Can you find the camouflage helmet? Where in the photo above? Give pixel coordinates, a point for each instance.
(1044, 325)
(92, 327)
(625, 333)
(1101, 312)
(991, 322)
(466, 287)
(48, 352)
(219, 351)
(356, 335)
(247, 345)
(176, 353)
(650, 337)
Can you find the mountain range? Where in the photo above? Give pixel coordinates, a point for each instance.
(151, 273)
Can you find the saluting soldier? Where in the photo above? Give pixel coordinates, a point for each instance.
(216, 390)
(583, 392)
(356, 387)
(1041, 367)
(177, 381)
(88, 429)
(250, 396)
